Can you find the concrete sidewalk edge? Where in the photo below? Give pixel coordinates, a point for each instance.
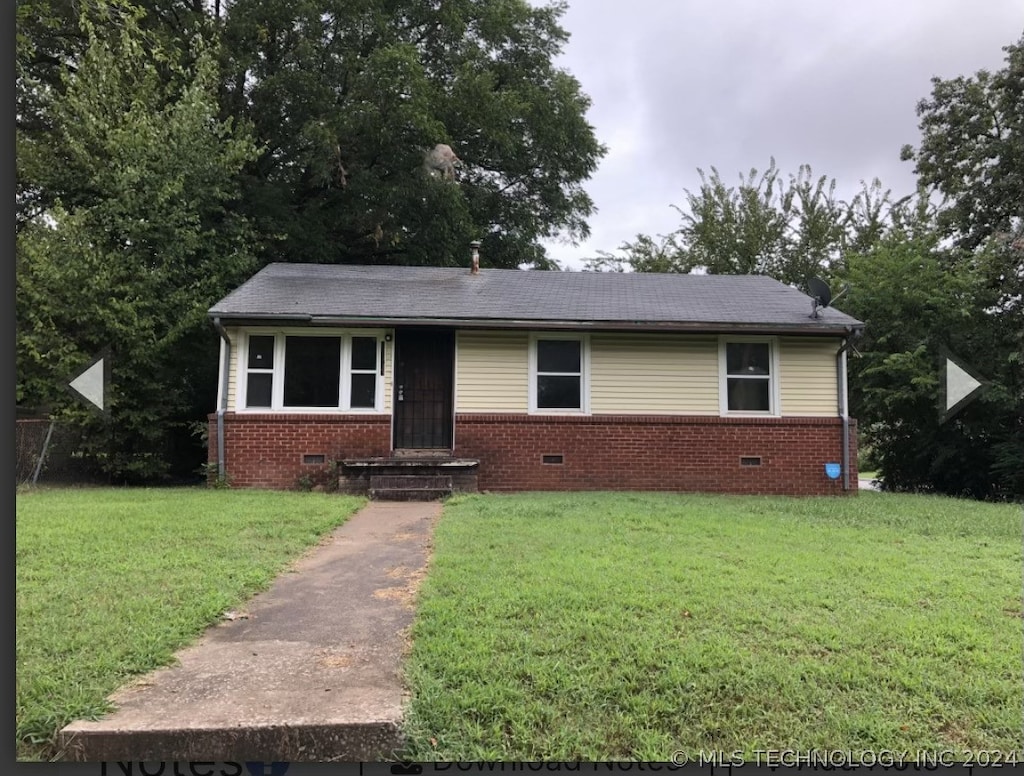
(314, 673)
(350, 741)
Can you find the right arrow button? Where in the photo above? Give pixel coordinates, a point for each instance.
(961, 387)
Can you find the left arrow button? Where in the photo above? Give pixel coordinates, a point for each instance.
(89, 384)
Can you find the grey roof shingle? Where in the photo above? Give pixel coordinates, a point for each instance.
(321, 293)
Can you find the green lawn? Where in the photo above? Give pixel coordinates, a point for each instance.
(628, 626)
(111, 582)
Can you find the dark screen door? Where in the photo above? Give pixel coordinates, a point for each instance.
(424, 375)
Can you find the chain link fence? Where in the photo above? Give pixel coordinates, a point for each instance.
(47, 452)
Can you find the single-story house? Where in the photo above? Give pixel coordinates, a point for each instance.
(536, 380)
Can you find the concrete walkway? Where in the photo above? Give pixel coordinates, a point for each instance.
(310, 672)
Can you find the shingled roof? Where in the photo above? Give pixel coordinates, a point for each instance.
(322, 294)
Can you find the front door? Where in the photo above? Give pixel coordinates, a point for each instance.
(424, 377)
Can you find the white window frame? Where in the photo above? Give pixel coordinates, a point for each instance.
(347, 371)
(774, 399)
(244, 370)
(584, 373)
(277, 387)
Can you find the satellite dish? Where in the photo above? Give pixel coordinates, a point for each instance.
(820, 291)
(821, 294)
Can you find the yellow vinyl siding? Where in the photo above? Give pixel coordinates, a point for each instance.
(232, 368)
(668, 374)
(807, 374)
(653, 374)
(492, 372)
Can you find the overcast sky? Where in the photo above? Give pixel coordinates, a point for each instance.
(678, 85)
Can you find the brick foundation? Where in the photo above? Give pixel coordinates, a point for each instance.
(266, 451)
(667, 453)
(602, 452)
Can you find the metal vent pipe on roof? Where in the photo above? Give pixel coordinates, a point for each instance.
(475, 269)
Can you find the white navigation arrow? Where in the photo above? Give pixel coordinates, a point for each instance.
(89, 384)
(960, 385)
(963, 387)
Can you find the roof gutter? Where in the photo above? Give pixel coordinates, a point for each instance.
(222, 404)
(811, 329)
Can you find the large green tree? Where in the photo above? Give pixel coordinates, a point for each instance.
(972, 150)
(791, 228)
(50, 42)
(167, 148)
(347, 96)
(920, 307)
(971, 154)
(138, 237)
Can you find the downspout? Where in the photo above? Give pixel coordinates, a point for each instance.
(225, 368)
(844, 408)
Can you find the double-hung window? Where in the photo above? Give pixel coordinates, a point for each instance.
(363, 373)
(749, 376)
(259, 376)
(558, 379)
(302, 371)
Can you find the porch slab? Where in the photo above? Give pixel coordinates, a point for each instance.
(410, 461)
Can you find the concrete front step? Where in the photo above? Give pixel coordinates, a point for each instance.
(403, 478)
(411, 481)
(410, 487)
(409, 494)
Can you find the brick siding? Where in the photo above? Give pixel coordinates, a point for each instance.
(669, 453)
(267, 451)
(605, 452)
